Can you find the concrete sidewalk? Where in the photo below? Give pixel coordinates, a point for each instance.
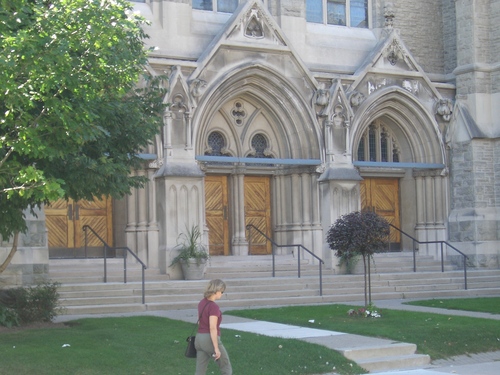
(477, 364)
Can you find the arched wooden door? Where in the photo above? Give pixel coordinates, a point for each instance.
(381, 195)
(257, 198)
(216, 214)
(64, 221)
(258, 212)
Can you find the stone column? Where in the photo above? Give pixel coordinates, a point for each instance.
(131, 228)
(152, 228)
(239, 243)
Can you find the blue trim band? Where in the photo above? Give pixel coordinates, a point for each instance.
(231, 159)
(398, 165)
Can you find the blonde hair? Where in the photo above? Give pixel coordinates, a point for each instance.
(213, 287)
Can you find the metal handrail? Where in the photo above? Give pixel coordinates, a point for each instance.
(442, 243)
(106, 247)
(299, 246)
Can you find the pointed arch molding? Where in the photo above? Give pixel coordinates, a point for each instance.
(408, 117)
(290, 115)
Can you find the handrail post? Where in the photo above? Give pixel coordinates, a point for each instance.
(143, 286)
(105, 264)
(320, 280)
(298, 257)
(274, 260)
(465, 271)
(442, 257)
(414, 257)
(125, 268)
(85, 248)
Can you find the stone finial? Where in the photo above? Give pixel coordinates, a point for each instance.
(389, 15)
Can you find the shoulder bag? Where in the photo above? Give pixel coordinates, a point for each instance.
(191, 350)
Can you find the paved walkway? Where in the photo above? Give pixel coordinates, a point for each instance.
(476, 364)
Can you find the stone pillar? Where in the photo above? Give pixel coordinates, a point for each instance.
(239, 243)
(131, 227)
(152, 228)
(339, 195)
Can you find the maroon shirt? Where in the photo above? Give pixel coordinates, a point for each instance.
(211, 309)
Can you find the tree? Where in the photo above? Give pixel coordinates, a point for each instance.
(359, 233)
(72, 117)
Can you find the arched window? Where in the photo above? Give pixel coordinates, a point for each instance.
(378, 144)
(259, 145)
(260, 148)
(217, 145)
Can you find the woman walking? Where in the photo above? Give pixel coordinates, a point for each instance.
(208, 344)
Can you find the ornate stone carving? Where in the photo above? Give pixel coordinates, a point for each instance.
(389, 15)
(375, 85)
(322, 97)
(339, 116)
(178, 104)
(156, 164)
(356, 98)
(238, 113)
(198, 87)
(411, 85)
(254, 26)
(395, 52)
(444, 108)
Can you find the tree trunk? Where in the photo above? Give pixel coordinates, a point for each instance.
(7, 261)
(364, 267)
(369, 283)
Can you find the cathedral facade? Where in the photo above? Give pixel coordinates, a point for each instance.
(284, 115)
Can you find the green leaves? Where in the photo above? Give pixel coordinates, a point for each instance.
(68, 69)
(358, 233)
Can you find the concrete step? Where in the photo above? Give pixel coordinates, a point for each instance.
(249, 286)
(394, 362)
(387, 357)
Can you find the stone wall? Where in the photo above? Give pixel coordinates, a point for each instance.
(475, 217)
(30, 264)
(449, 36)
(420, 24)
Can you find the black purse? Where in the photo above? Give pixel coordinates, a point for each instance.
(191, 350)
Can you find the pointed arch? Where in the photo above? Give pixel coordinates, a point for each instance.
(291, 119)
(417, 131)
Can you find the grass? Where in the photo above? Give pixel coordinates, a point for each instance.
(486, 304)
(148, 345)
(440, 336)
(153, 345)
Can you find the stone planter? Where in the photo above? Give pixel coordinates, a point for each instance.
(193, 269)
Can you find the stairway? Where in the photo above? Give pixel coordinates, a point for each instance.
(250, 284)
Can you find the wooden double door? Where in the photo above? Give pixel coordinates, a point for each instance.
(381, 195)
(220, 209)
(65, 219)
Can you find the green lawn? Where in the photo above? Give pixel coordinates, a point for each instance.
(153, 345)
(487, 304)
(440, 336)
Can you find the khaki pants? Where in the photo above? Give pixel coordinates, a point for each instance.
(205, 349)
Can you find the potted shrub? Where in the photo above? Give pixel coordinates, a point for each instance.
(192, 254)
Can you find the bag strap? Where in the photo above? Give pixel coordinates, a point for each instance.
(199, 317)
